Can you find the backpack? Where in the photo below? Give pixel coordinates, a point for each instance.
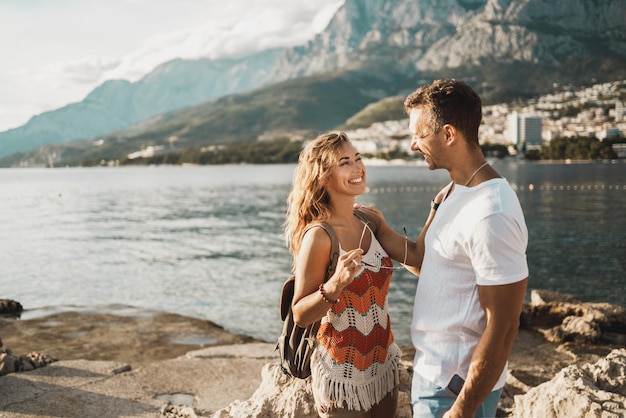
(295, 344)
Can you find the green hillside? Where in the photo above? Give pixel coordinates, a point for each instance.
(312, 103)
(391, 108)
(305, 107)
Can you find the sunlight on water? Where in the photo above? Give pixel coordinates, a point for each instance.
(207, 241)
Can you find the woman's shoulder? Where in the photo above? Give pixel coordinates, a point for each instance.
(316, 245)
(317, 234)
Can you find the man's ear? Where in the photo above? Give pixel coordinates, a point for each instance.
(449, 132)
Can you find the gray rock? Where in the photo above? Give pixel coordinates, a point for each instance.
(10, 363)
(593, 390)
(562, 318)
(282, 396)
(10, 307)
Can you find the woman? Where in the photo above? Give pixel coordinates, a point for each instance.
(355, 362)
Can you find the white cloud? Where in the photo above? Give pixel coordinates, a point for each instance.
(72, 46)
(87, 70)
(324, 15)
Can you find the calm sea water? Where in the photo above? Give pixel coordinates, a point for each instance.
(207, 241)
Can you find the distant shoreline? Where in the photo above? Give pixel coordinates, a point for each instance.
(372, 162)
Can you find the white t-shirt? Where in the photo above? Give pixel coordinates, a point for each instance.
(478, 237)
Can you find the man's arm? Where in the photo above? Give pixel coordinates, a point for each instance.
(395, 244)
(503, 306)
(415, 266)
(399, 247)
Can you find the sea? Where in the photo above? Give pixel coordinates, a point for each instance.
(207, 241)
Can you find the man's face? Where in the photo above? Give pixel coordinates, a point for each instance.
(424, 140)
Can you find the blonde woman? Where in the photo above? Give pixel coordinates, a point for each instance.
(355, 362)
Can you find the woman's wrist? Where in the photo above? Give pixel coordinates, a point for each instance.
(328, 298)
(332, 289)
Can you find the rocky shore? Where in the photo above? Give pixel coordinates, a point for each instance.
(568, 360)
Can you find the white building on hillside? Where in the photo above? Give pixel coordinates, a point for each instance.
(524, 131)
(619, 111)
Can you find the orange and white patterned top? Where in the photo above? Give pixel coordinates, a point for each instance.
(355, 363)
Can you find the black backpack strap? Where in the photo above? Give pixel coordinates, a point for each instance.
(334, 247)
(288, 287)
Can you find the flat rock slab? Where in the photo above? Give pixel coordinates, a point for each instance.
(115, 333)
(207, 380)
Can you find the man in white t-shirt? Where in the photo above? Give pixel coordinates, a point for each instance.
(473, 278)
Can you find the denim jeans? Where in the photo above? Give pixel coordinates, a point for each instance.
(431, 401)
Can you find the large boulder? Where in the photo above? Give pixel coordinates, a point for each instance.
(562, 318)
(285, 397)
(9, 307)
(593, 390)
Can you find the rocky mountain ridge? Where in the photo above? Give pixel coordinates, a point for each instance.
(494, 43)
(429, 35)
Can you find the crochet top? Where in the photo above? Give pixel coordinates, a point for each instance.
(355, 362)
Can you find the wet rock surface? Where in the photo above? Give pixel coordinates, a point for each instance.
(10, 308)
(115, 333)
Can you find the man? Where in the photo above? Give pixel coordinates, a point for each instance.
(474, 274)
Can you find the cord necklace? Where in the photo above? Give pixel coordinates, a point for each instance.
(475, 172)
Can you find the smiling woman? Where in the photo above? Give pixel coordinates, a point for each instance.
(329, 176)
(354, 365)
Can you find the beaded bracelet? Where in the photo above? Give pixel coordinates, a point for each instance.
(332, 302)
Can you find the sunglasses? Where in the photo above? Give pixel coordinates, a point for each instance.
(363, 263)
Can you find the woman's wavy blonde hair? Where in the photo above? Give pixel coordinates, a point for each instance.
(309, 201)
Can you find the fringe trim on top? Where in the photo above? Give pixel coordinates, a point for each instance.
(344, 393)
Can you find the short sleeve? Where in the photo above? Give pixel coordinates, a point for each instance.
(497, 249)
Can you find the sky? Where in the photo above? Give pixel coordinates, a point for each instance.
(54, 52)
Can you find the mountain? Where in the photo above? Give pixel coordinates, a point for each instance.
(301, 107)
(416, 36)
(372, 49)
(117, 104)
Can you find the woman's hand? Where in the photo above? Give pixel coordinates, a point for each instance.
(374, 213)
(348, 266)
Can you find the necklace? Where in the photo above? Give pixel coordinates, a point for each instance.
(475, 172)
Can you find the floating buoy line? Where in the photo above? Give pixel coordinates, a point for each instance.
(517, 187)
(568, 187)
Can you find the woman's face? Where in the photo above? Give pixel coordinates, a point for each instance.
(348, 174)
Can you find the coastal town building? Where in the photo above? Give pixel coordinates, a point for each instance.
(620, 110)
(524, 131)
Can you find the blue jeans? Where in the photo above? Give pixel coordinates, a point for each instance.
(431, 401)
